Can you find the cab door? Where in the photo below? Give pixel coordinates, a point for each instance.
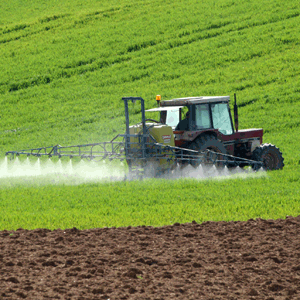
(221, 118)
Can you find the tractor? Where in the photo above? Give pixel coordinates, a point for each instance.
(209, 126)
(154, 147)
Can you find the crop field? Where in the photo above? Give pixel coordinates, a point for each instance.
(78, 230)
(152, 202)
(65, 68)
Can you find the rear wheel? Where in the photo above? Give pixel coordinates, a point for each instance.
(269, 155)
(209, 142)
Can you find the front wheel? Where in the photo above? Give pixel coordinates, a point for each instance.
(269, 155)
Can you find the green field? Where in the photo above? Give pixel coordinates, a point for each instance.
(149, 202)
(65, 67)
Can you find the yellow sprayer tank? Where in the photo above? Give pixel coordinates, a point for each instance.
(163, 134)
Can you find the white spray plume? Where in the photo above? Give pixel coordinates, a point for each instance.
(58, 172)
(47, 171)
(213, 172)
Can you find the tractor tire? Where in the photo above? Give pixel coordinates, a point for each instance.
(209, 142)
(269, 155)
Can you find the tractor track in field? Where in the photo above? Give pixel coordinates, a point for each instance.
(257, 259)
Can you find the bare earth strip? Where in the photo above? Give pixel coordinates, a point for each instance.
(257, 259)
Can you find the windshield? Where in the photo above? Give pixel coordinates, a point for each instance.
(221, 118)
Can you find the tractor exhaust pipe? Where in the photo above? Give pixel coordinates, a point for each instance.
(236, 116)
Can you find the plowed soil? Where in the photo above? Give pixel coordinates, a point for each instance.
(257, 259)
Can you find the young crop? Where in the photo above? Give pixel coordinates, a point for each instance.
(153, 202)
(66, 67)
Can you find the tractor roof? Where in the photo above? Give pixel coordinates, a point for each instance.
(194, 100)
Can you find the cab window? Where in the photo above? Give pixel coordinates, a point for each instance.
(202, 119)
(221, 118)
(172, 117)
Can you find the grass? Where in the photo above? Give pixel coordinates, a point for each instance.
(152, 202)
(66, 66)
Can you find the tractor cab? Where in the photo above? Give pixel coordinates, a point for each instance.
(203, 113)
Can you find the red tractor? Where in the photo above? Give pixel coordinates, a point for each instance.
(153, 148)
(208, 125)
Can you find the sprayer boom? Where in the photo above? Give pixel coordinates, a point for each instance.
(137, 154)
(104, 150)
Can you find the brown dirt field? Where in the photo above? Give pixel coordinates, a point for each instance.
(257, 259)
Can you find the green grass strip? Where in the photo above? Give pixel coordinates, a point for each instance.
(154, 202)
